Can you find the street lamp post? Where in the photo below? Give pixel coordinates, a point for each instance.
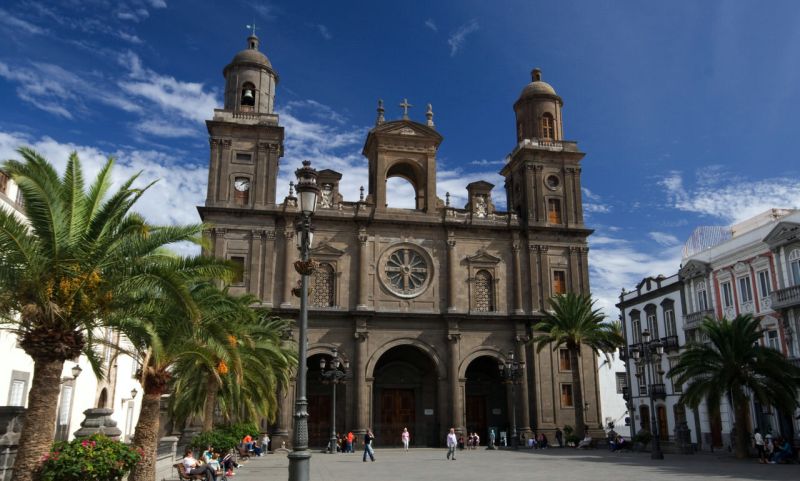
(334, 372)
(650, 354)
(512, 371)
(308, 191)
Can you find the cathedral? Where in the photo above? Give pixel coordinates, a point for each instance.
(423, 303)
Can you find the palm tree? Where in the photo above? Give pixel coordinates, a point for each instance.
(735, 365)
(242, 383)
(65, 272)
(574, 322)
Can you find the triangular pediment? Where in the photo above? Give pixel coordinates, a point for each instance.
(693, 268)
(483, 257)
(782, 233)
(407, 128)
(326, 250)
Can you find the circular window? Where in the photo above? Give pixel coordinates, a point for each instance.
(552, 182)
(406, 271)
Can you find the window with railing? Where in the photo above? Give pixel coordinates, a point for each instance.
(676, 387)
(745, 290)
(554, 211)
(636, 327)
(794, 266)
(566, 396)
(640, 380)
(322, 283)
(559, 282)
(548, 126)
(652, 325)
(622, 382)
(727, 294)
(702, 300)
(564, 361)
(669, 323)
(773, 340)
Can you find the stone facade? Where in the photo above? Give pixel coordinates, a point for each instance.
(424, 302)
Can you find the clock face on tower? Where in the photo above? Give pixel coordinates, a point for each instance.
(242, 184)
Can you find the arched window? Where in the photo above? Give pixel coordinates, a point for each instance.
(484, 292)
(794, 266)
(548, 126)
(248, 98)
(322, 285)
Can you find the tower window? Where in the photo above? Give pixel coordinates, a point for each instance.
(484, 292)
(559, 282)
(238, 270)
(322, 282)
(554, 211)
(548, 127)
(248, 95)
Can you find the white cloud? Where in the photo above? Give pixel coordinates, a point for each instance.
(457, 39)
(431, 25)
(594, 206)
(488, 162)
(323, 30)
(130, 37)
(158, 4)
(172, 200)
(614, 264)
(664, 239)
(160, 128)
(17, 24)
(730, 198)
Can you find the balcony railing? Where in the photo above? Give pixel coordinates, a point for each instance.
(795, 361)
(670, 343)
(658, 391)
(784, 298)
(695, 319)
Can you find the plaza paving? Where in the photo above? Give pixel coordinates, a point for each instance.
(551, 464)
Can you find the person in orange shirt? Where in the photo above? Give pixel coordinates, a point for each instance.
(349, 444)
(248, 442)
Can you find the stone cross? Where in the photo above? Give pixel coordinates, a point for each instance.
(253, 28)
(405, 106)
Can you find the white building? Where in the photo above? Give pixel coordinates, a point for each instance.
(654, 311)
(739, 274)
(77, 393)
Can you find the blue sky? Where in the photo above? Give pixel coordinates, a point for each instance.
(686, 109)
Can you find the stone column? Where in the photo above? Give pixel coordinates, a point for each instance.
(569, 211)
(363, 269)
(254, 271)
(360, 382)
(521, 353)
(259, 179)
(584, 265)
(219, 242)
(574, 276)
(546, 276)
(517, 278)
(280, 433)
(289, 274)
(578, 195)
(452, 269)
(538, 191)
(455, 398)
(213, 170)
(224, 184)
(536, 277)
(268, 275)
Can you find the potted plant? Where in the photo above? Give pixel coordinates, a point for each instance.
(96, 458)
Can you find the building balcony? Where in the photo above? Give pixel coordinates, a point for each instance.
(785, 298)
(695, 319)
(670, 343)
(795, 361)
(657, 391)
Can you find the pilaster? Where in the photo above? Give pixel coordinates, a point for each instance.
(268, 274)
(213, 170)
(363, 269)
(457, 404)
(518, 309)
(452, 269)
(289, 275)
(362, 400)
(521, 353)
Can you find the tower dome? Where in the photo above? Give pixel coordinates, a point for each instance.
(250, 80)
(538, 111)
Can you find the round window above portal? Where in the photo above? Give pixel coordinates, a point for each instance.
(405, 270)
(552, 182)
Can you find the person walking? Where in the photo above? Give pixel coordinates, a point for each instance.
(406, 437)
(758, 440)
(368, 438)
(348, 446)
(559, 437)
(452, 442)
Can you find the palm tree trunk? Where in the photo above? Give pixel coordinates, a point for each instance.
(146, 438)
(39, 427)
(740, 409)
(211, 402)
(577, 391)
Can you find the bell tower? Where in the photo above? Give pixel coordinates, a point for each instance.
(543, 185)
(246, 139)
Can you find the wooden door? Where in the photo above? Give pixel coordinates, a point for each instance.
(319, 420)
(476, 415)
(663, 428)
(397, 412)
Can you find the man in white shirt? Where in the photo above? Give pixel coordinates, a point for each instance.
(193, 467)
(452, 442)
(759, 442)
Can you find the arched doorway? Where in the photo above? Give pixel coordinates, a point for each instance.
(405, 395)
(320, 395)
(663, 427)
(486, 401)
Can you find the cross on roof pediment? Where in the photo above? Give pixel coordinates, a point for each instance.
(782, 233)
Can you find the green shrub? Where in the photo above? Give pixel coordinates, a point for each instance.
(96, 458)
(568, 429)
(225, 437)
(572, 439)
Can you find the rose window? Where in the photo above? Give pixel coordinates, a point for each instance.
(406, 272)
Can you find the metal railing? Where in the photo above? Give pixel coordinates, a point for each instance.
(788, 297)
(695, 319)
